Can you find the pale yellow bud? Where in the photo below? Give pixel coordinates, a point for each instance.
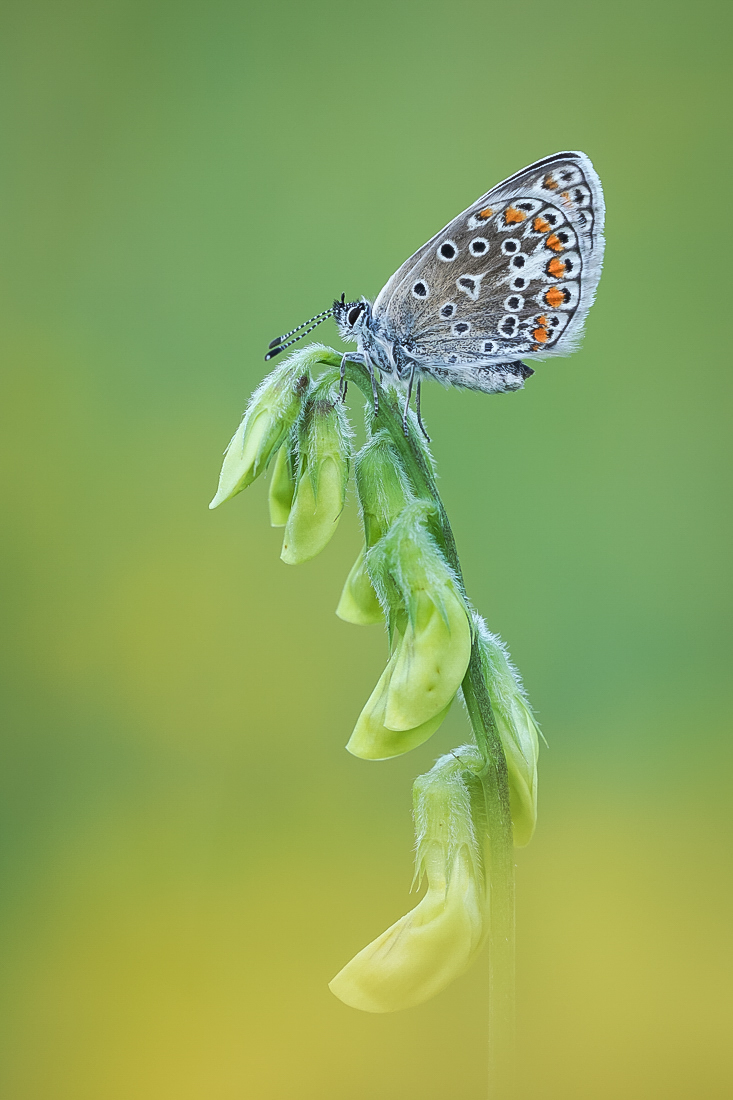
(432, 657)
(372, 739)
(282, 488)
(437, 940)
(359, 603)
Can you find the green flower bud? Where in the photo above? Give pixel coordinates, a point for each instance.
(359, 603)
(382, 486)
(517, 730)
(282, 487)
(323, 474)
(437, 940)
(272, 411)
(422, 597)
(383, 492)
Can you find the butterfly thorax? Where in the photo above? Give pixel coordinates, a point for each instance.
(398, 357)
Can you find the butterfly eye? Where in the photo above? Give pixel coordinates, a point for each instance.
(448, 251)
(354, 314)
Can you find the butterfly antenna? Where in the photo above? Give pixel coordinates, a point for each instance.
(280, 343)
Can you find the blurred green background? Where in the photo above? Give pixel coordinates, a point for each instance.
(188, 854)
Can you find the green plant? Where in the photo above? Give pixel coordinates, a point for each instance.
(480, 799)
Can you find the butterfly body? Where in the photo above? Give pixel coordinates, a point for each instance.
(513, 276)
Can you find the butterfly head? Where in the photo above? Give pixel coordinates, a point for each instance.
(352, 318)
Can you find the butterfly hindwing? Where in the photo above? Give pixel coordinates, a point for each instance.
(513, 275)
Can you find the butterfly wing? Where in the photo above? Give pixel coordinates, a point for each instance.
(513, 275)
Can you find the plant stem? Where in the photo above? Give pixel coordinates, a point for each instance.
(500, 860)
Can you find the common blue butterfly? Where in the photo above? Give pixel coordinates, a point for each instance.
(513, 275)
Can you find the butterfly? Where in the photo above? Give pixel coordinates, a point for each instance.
(513, 276)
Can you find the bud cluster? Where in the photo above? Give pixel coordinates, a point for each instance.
(304, 427)
(404, 579)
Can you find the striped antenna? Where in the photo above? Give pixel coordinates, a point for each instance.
(280, 343)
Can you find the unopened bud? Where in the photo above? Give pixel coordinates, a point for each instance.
(431, 633)
(282, 487)
(517, 730)
(359, 603)
(383, 492)
(381, 485)
(372, 739)
(323, 474)
(272, 411)
(437, 940)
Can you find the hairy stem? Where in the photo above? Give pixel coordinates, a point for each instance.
(500, 860)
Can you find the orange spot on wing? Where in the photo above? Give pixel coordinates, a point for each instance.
(554, 242)
(542, 321)
(541, 335)
(541, 226)
(556, 268)
(485, 213)
(514, 216)
(555, 297)
(565, 195)
(550, 183)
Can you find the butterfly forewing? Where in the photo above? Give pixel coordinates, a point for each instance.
(513, 275)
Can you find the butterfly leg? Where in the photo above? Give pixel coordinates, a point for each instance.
(343, 384)
(407, 399)
(375, 391)
(417, 410)
(366, 362)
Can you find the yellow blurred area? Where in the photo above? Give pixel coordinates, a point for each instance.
(187, 852)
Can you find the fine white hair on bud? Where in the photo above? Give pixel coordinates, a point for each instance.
(437, 940)
(517, 729)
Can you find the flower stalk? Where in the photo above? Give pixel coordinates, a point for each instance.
(480, 800)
